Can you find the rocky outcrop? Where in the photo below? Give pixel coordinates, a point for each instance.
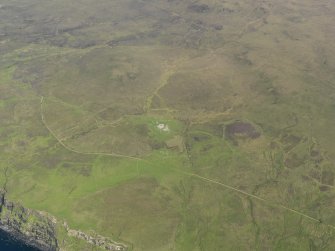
(96, 240)
(38, 229)
(30, 226)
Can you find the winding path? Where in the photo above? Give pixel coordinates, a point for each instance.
(74, 150)
(233, 189)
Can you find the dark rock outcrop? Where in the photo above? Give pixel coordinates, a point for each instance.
(38, 229)
(30, 226)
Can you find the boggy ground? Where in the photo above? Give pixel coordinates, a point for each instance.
(247, 86)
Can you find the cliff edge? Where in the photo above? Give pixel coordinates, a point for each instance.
(27, 225)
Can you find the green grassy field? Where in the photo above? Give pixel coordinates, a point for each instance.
(245, 88)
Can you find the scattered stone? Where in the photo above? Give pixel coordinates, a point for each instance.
(163, 127)
(96, 240)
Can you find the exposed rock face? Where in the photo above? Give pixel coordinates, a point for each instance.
(97, 240)
(30, 226)
(38, 229)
